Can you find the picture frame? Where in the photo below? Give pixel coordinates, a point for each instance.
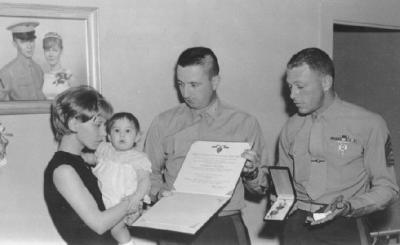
(80, 53)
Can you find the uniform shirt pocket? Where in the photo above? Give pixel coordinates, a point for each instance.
(344, 150)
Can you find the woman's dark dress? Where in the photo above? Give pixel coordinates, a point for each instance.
(68, 223)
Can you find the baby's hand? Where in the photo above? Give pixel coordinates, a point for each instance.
(147, 199)
(164, 193)
(135, 204)
(90, 158)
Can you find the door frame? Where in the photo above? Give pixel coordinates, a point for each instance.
(368, 13)
(358, 13)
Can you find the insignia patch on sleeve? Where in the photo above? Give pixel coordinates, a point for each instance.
(389, 152)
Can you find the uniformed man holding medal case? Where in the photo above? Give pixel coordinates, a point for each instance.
(339, 155)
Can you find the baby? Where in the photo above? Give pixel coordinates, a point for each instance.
(121, 169)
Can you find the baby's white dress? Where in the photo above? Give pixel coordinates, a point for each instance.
(116, 172)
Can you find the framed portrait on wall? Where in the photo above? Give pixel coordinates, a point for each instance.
(45, 50)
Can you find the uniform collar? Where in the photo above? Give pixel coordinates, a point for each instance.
(212, 111)
(328, 111)
(25, 61)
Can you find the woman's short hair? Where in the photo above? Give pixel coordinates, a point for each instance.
(80, 102)
(52, 39)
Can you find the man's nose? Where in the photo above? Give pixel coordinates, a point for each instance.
(30, 44)
(293, 93)
(185, 91)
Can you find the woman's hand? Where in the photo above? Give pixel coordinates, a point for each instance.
(135, 204)
(89, 158)
(131, 218)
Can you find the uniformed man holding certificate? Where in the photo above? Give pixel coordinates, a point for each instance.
(203, 116)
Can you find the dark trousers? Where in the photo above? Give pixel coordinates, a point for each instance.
(219, 230)
(340, 231)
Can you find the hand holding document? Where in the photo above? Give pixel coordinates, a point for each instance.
(204, 184)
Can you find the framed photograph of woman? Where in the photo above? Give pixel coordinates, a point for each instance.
(45, 50)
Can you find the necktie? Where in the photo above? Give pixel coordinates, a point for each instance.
(318, 167)
(205, 118)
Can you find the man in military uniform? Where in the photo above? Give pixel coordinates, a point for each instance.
(22, 78)
(339, 155)
(203, 116)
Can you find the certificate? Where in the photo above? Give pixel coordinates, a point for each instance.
(204, 184)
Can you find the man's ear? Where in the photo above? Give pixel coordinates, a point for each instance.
(327, 82)
(215, 81)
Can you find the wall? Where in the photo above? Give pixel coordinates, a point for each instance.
(368, 71)
(139, 43)
(355, 12)
(367, 63)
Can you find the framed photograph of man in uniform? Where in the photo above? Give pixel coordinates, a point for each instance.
(45, 50)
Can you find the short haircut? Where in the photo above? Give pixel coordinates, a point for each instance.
(199, 56)
(24, 36)
(315, 58)
(122, 115)
(80, 102)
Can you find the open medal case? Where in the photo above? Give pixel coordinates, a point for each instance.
(286, 196)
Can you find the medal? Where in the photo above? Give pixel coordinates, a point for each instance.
(342, 147)
(343, 142)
